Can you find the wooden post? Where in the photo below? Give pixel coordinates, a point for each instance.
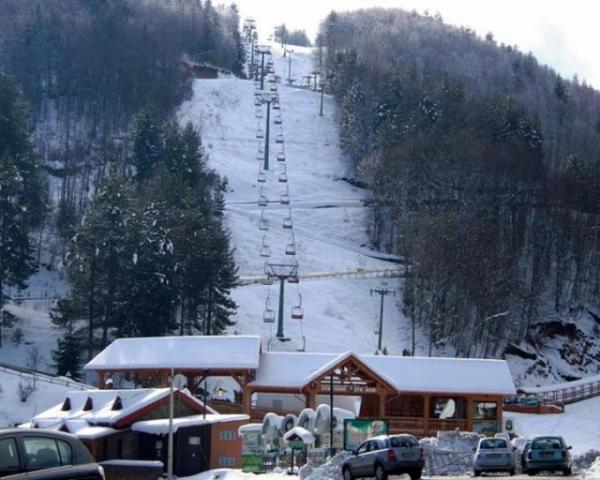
(426, 400)
(382, 395)
(499, 409)
(247, 401)
(470, 404)
(101, 379)
(311, 398)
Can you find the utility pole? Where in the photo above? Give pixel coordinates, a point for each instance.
(267, 99)
(322, 85)
(290, 66)
(170, 436)
(382, 292)
(315, 74)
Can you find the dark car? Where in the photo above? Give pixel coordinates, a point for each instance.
(32, 454)
(380, 456)
(548, 453)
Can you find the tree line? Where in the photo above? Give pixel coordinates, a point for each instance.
(94, 174)
(485, 169)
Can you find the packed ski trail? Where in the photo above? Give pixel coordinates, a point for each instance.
(329, 214)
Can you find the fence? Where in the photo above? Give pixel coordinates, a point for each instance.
(42, 377)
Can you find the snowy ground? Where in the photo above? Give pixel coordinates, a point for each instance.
(48, 393)
(330, 220)
(579, 425)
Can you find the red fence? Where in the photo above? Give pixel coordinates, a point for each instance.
(564, 396)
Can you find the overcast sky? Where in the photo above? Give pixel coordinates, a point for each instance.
(562, 33)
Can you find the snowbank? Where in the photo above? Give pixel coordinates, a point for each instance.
(330, 470)
(449, 452)
(594, 471)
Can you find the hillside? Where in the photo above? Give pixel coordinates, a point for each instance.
(483, 166)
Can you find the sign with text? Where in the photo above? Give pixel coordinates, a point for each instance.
(357, 430)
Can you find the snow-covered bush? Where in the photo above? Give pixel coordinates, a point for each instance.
(24, 390)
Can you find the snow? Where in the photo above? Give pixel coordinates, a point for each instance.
(134, 463)
(594, 471)
(561, 386)
(161, 426)
(49, 391)
(231, 474)
(102, 411)
(407, 374)
(329, 215)
(307, 437)
(198, 352)
(579, 425)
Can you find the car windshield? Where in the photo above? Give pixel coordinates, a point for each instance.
(493, 443)
(545, 443)
(403, 442)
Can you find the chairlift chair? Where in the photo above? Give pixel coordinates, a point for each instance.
(263, 201)
(279, 138)
(265, 250)
(283, 174)
(298, 311)
(295, 279)
(281, 156)
(260, 134)
(287, 221)
(273, 88)
(290, 248)
(285, 198)
(276, 106)
(257, 103)
(263, 223)
(262, 176)
(277, 120)
(269, 314)
(274, 98)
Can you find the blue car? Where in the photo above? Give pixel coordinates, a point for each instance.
(548, 453)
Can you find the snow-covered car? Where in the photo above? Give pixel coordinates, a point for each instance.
(494, 455)
(547, 453)
(384, 455)
(32, 454)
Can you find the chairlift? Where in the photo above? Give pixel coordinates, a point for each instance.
(267, 280)
(279, 138)
(274, 98)
(263, 223)
(276, 106)
(269, 314)
(262, 176)
(295, 279)
(273, 88)
(260, 133)
(287, 221)
(277, 120)
(283, 178)
(290, 248)
(285, 198)
(257, 103)
(263, 201)
(298, 311)
(265, 250)
(260, 157)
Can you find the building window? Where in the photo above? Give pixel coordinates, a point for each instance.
(226, 462)
(485, 411)
(227, 435)
(445, 408)
(277, 404)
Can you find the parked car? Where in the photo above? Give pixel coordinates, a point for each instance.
(494, 455)
(31, 454)
(547, 453)
(384, 455)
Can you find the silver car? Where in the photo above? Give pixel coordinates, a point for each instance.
(380, 456)
(494, 455)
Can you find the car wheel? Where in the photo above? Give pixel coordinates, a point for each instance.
(567, 471)
(415, 474)
(477, 473)
(511, 472)
(380, 473)
(347, 473)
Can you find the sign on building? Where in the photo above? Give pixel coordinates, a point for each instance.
(356, 431)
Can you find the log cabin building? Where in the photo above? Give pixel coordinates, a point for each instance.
(418, 395)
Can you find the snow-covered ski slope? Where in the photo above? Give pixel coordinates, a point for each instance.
(329, 216)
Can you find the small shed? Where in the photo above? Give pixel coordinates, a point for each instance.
(199, 443)
(101, 419)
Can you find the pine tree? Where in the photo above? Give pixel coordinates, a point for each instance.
(67, 356)
(148, 143)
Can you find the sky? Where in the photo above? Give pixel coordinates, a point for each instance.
(561, 33)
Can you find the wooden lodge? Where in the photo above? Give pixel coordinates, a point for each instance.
(418, 395)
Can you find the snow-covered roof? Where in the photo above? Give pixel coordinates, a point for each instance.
(104, 407)
(190, 352)
(161, 426)
(307, 437)
(405, 374)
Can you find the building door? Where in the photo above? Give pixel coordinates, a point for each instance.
(193, 454)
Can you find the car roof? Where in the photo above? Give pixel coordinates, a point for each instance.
(36, 431)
